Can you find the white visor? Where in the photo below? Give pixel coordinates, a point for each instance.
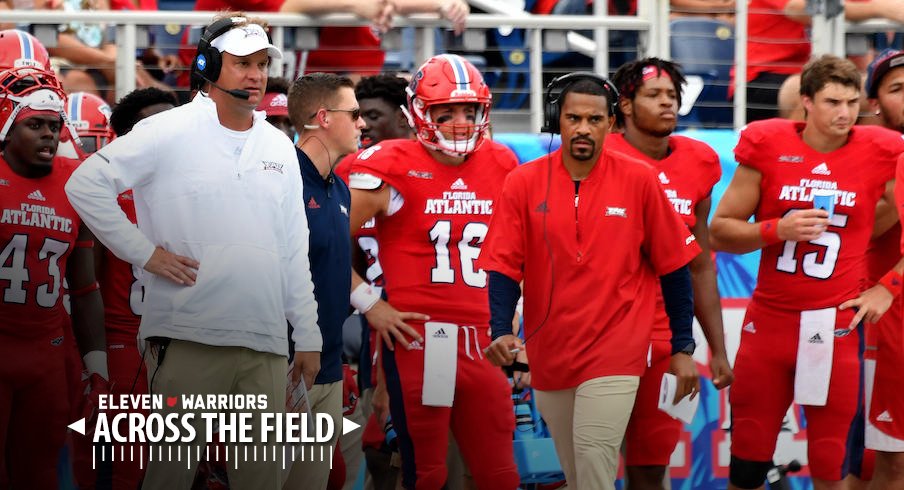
(245, 40)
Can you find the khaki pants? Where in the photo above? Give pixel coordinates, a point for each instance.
(350, 443)
(587, 425)
(313, 473)
(189, 368)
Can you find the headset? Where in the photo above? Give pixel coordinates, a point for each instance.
(552, 103)
(208, 60)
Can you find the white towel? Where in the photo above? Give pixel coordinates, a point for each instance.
(440, 363)
(815, 348)
(685, 409)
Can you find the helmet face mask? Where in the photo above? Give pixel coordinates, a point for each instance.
(28, 88)
(441, 81)
(90, 116)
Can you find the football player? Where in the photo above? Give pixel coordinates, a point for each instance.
(800, 327)
(42, 240)
(432, 199)
(650, 94)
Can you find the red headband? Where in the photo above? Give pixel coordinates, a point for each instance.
(650, 72)
(27, 112)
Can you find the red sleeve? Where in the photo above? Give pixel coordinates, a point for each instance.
(892, 146)
(377, 161)
(712, 169)
(345, 166)
(749, 151)
(668, 243)
(899, 194)
(504, 246)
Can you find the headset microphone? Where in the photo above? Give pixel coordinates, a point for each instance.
(237, 93)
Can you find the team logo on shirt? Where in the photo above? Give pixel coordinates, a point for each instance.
(803, 192)
(420, 174)
(37, 216)
(273, 166)
(4, 182)
(458, 200)
(663, 178)
(682, 206)
(821, 169)
(614, 211)
(790, 159)
(37, 196)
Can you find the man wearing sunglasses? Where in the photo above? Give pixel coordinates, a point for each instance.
(324, 109)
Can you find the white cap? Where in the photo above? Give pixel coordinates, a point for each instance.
(245, 40)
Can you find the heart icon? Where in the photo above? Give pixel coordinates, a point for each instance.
(171, 401)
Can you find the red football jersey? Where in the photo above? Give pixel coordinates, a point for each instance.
(38, 231)
(687, 175)
(429, 247)
(829, 270)
(589, 263)
(120, 288)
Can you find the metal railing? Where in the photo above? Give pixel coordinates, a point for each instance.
(649, 22)
(652, 22)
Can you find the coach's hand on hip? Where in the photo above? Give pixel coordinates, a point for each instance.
(174, 267)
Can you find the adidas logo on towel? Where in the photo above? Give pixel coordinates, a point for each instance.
(815, 339)
(37, 196)
(440, 334)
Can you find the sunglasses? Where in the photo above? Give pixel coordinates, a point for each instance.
(355, 113)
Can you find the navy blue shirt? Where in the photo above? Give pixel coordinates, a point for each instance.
(327, 203)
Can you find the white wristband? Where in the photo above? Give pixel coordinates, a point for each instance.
(363, 298)
(96, 362)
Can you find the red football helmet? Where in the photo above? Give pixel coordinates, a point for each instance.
(90, 116)
(448, 79)
(19, 49)
(32, 88)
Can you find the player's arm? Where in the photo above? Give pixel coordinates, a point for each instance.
(707, 304)
(886, 214)
(389, 323)
(87, 307)
(730, 230)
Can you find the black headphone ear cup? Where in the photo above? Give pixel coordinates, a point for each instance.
(214, 63)
(213, 59)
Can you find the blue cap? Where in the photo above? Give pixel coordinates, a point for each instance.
(882, 64)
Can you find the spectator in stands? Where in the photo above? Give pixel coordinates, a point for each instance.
(276, 104)
(778, 45)
(347, 50)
